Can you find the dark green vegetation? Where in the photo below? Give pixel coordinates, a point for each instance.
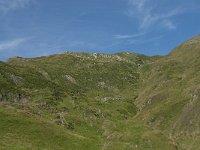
(101, 101)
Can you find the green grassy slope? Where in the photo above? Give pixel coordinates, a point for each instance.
(169, 95)
(20, 131)
(80, 92)
(102, 101)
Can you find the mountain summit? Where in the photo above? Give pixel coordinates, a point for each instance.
(188, 50)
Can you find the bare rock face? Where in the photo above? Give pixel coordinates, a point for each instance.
(70, 78)
(17, 80)
(45, 74)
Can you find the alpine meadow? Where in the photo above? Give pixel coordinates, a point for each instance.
(102, 101)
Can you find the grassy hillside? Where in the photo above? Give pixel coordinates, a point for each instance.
(102, 101)
(86, 94)
(20, 131)
(169, 95)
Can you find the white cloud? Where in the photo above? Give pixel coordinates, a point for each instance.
(11, 44)
(148, 15)
(129, 36)
(169, 24)
(11, 5)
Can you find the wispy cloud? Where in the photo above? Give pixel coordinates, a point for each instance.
(129, 36)
(11, 5)
(11, 44)
(149, 14)
(168, 24)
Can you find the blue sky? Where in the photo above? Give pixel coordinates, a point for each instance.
(31, 28)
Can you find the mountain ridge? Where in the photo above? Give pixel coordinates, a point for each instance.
(109, 101)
